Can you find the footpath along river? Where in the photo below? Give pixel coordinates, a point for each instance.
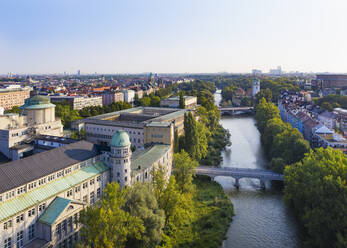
(261, 217)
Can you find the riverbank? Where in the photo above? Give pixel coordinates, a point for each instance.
(214, 213)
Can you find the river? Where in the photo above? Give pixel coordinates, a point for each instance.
(261, 218)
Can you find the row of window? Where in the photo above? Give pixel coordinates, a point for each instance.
(41, 181)
(104, 129)
(20, 238)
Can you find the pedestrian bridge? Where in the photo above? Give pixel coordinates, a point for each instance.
(238, 173)
(236, 110)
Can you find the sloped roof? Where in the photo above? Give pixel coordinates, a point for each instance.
(324, 130)
(54, 210)
(27, 200)
(20, 172)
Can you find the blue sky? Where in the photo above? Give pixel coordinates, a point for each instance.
(132, 36)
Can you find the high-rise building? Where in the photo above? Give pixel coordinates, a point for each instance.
(78, 72)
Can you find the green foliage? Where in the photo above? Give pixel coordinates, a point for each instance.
(228, 93)
(184, 171)
(279, 138)
(264, 112)
(316, 188)
(68, 115)
(266, 94)
(78, 135)
(182, 104)
(106, 224)
(195, 140)
(140, 202)
(332, 101)
(15, 110)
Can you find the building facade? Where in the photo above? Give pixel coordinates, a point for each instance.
(78, 102)
(255, 87)
(174, 102)
(13, 95)
(111, 97)
(37, 117)
(41, 196)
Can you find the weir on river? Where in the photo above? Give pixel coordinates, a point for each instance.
(261, 218)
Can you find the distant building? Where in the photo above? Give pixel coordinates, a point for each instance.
(13, 95)
(256, 72)
(129, 95)
(38, 117)
(111, 97)
(330, 80)
(137, 122)
(255, 87)
(276, 72)
(173, 102)
(78, 102)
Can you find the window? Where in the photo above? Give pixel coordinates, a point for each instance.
(7, 224)
(92, 182)
(58, 230)
(125, 170)
(21, 190)
(85, 185)
(69, 193)
(75, 220)
(69, 223)
(78, 189)
(64, 226)
(98, 178)
(7, 243)
(19, 218)
(98, 193)
(20, 239)
(0, 198)
(31, 212)
(31, 233)
(125, 178)
(42, 207)
(85, 199)
(92, 197)
(67, 171)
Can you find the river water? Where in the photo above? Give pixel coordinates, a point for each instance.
(261, 218)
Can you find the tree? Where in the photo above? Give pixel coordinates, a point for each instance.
(195, 140)
(316, 188)
(15, 109)
(145, 101)
(141, 202)
(182, 104)
(264, 112)
(155, 101)
(106, 224)
(267, 94)
(184, 171)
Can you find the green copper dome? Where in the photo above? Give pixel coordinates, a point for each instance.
(37, 102)
(120, 138)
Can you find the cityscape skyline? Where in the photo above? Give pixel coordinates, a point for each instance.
(181, 37)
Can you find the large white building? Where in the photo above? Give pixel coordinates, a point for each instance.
(129, 95)
(41, 196)
(37, 117)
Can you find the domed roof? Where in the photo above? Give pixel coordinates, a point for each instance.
(120, 138)
(37, 102)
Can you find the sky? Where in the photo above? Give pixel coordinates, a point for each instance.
(165, 36)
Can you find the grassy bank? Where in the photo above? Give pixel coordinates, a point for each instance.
(214, 213)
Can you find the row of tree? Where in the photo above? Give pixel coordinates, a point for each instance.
(332, 101)
(206, 138)
(163, 213)
(315, 180)
(68, 115)
(279, 138)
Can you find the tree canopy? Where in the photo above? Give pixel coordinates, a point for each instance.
(316, 188)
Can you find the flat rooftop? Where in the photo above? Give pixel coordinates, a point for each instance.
(136, 117)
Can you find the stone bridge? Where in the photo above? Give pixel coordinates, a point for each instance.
(238, 173)
(236, 110)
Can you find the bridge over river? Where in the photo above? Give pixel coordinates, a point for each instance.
(238, 173)
(236, 110)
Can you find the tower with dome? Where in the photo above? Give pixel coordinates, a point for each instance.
(255, 87)
(129, 167)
